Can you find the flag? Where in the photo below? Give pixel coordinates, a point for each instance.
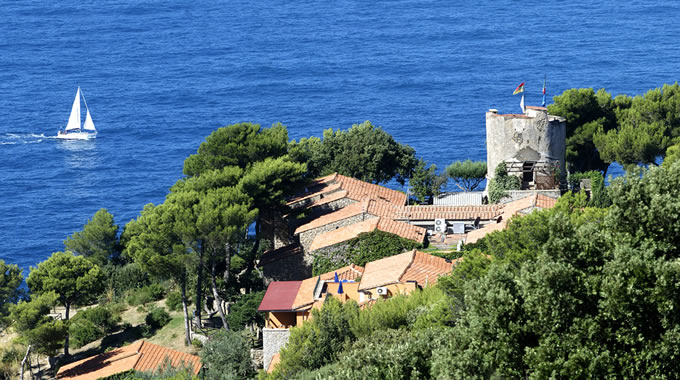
(543, 104)
(521, 104)
(519, 89)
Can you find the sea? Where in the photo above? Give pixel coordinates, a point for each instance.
(160, 76)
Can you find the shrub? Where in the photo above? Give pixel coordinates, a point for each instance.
(157, 318)
(91, 324)
(227, 356)
(501, 183)
(174, 301)
(124, 278)
(367, 247)
(153, 292)
(244, 311)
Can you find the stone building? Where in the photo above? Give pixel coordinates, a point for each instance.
(532, 144)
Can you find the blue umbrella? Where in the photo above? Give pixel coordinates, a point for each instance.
(340, 291)
(335, 277)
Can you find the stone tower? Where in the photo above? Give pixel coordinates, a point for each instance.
(532, 145)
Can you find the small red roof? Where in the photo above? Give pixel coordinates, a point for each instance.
(280, 295)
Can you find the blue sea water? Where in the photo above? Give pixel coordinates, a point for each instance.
(159, 76)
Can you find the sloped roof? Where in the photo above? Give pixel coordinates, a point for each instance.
(358, 190)
(305, 294)
(280, 295)
(341, 234)
(349, 211)
(408, 266)
(402, 229)
(138, 356)
(385, 271)
(428, 212)
(315, 188)
(425, 269)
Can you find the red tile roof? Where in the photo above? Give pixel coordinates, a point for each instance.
(280, 295)
(356, 208)
(402, 229)
(138, 356)
(305, 295)
(413, 265)
(544, 201)
(427, 212)
(342, 234)
(425, 269)
(359, 190)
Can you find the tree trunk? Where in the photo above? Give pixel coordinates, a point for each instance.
(218, 299)
(23, 362)
(187, 327)
(227, 263)
(67, 305)
(199, 287)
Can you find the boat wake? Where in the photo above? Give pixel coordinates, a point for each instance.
(14, 138)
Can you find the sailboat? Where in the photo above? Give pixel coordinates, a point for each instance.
(73, 130)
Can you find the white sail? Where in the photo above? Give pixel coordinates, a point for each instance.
(89, 124)
(74, 119)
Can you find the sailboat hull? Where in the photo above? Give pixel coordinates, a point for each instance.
(76, 136)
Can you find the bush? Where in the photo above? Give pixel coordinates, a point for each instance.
(125, 278)
(174, 301)
(227, 356)
(501, 183)
(91, 324)
(153, 292)
(157, 318)
(367, 247)
(244, 311)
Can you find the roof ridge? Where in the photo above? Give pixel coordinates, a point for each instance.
(413, 258)
(139, 357)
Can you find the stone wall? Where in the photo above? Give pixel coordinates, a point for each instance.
(291, 268)
(275, 229)
(257, 356)
(535, 136)
(272, 341)
(307, 237)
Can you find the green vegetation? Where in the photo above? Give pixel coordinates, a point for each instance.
(10, 280)
(467, 174)
(157, 318)
(364, 151)
(425, 183)
(97, 241)
(91, 324)
(501, 183)
(227, 356)
(73, 279)
(367, 247)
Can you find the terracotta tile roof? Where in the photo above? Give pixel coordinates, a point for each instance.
(429, 212)
(280, 295)
(305, 294)
(341, 234)
(316, 187)
(536, 108)
(511, 209)
(402, 229)
(349, 211)
(382, 208)
(425, 269)
(138, 356)
(413, 265)
(474, 235)
(280, 253)
(330, 197)
(544, 201)
(385, 271)
(359, 190)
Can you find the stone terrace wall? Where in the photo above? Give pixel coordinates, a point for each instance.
(307, 237)
(291, 268)
(272, 341)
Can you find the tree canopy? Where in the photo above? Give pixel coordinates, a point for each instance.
(364, 152)
(98, 239)
(10, 282)
(467, 174)
(74, 279)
